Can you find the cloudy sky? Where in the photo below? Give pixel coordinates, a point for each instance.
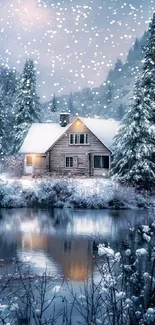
(73, 42)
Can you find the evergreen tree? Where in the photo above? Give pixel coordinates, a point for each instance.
(27, 106)
(129, 57)
(135, 143)
(120, 112)
(148, 77)
(8, 87)
(54, 104)
(10, 95)
(116, 72)
(118, 65)
(70, 104)
(109, 94)
(136, 45)
(2, 127)
(134, 153)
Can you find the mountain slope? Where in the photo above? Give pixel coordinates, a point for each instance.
(112, 98)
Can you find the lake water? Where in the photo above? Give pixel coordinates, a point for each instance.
(64, 240)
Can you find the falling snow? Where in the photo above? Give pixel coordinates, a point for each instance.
(73, 43)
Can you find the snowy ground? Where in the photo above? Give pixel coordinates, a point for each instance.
(78, 193)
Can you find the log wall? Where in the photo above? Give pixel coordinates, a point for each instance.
(82, 154)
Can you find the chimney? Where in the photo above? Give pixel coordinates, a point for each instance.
(64, 119)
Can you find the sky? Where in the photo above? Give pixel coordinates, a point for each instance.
(73, 43)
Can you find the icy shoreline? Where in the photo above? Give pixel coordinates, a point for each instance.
(76, 193)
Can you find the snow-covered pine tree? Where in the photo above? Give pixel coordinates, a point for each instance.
(2, 126)
(135, 143)
(70, 104)
(148, 76)
(54, 104)
(120, 112)
(134, 152)
(109, 94)
(27, 106)
(8, 84)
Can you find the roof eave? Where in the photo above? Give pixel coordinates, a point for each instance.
(77, 118)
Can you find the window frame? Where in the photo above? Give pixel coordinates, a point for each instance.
(75, 136)
(99, 155)
(69, 157)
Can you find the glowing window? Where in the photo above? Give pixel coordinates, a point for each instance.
(29, 161)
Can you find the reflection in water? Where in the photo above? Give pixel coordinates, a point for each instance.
(64, 240)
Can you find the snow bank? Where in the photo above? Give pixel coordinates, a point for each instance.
(78, 193)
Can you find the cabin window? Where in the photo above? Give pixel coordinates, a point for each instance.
(101, 162)
(79, 138)
(69, 162)
(76, 138)
(71, 138)
(82, 138)
(29, 160)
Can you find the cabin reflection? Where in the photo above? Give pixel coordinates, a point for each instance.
(34, 242)
(73, 255)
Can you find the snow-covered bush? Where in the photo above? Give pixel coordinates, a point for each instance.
(45, 193)
(89, 202)
(54, 193)
(13, 165)
(10, 195)
(124, 293)
(3, 192)
(84, 194)
(63, 190)
(128, 280)
(29, 197)
(99, 193)
(116, 203)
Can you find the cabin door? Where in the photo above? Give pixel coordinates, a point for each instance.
(28, 165)
(28, 170)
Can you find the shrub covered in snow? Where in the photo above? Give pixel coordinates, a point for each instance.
(13, 165)
(79, 193)
(128, 280)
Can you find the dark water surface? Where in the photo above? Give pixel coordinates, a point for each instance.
(64, 240)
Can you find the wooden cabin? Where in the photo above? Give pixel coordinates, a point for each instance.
(80, 148)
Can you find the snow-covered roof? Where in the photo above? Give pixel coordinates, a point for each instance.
(42, 136)
(104, 130)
